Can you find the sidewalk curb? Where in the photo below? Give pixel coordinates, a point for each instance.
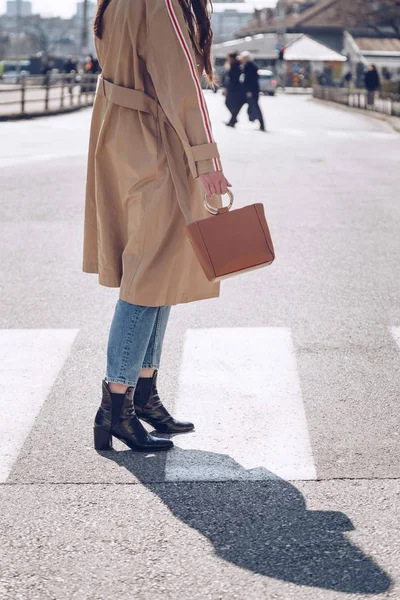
(394, 122)
(38, 115)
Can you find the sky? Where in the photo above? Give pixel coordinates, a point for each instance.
(63, 8)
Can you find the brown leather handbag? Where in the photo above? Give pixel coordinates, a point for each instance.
(232, 241)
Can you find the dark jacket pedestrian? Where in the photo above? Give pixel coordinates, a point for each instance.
(251, 83)
(92, 68)
(70, 65)
(70, 68)
(251, 78)
(372, 83)
(234, 89)
(372, 80)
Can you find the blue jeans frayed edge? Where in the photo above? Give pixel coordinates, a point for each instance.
(120, 381)
(123, 381)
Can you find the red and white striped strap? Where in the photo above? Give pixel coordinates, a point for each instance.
(193, 72)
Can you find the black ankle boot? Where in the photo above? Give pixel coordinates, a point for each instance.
(149, 408)
(116, 417)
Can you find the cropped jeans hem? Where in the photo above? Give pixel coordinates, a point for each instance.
(121, 382)
(135, 342)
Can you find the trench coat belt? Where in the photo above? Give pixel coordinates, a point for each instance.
(127, 97)
(137, 100)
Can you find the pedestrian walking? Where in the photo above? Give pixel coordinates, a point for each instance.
(92, 68)
(70, 65)
(251, 82)
(372, 83)
(233, 87)
(70, 68)
(152, 158)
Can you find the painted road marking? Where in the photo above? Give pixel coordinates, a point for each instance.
(337, 133)
(241, 388)
(30, 360)
(295, 132)
(395, 331)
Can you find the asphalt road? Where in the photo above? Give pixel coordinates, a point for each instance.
(216, 519)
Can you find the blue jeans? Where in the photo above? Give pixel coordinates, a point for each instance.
(135, 342)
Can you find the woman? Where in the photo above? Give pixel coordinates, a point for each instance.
(234, 89)
(151, 159)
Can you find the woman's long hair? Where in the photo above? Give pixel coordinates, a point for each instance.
(198, 17)
(98, 21)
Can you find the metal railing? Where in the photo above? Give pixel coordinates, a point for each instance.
(46, 94)
(381, 102)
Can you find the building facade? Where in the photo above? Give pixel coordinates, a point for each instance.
(230, 17)
(22, 8)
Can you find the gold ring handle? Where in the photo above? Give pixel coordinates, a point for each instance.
(216, 211)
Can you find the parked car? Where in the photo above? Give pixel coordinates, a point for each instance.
(13, 70)
(14, 77)
(268, 82)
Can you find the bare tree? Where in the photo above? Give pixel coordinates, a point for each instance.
(377, 14)
(48, 34)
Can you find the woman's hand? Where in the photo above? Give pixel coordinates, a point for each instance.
(215, 183)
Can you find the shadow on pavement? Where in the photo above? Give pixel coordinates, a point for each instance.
(263, 526)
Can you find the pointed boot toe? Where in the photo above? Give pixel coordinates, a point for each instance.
(150, 443)
(160, 443)
(116, 417)
(150, 409)
(170, 425)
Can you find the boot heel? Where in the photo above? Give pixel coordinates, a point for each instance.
(102, 439)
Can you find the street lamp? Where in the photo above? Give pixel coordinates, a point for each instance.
(281, 39)
(84, 33)
(18, 19)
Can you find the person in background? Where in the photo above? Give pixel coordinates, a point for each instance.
(46, 70)
(347, 79)
(252, 88)
(69, 65)
(92, 67)
(233, 87)
(372, 83)
(70, 68)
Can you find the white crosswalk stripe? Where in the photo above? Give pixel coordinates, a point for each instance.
(239, 385)
(339, 134)
(241, 388)
(395, 331)
(30, 361)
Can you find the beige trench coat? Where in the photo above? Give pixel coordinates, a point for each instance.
(150, 140)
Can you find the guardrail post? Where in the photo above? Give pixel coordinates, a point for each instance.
(81, 90)
(47, 92)
(23, 95)
(62, 91)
